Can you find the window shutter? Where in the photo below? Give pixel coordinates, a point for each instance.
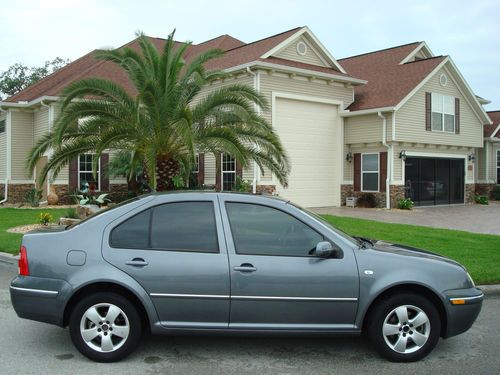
(218, 172)
(239, 169)
(357, 172)
(457, 116)
(73, 175)
(201, 169)
(104, 172)
(428, 109)
(383, 170)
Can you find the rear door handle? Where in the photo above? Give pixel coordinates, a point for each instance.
(137, 262)
(245, 267)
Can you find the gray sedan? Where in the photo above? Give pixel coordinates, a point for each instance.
(221, 263)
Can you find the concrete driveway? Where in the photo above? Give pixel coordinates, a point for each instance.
(470, 217)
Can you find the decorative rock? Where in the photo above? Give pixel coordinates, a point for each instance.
(52, 198)
(68, 221)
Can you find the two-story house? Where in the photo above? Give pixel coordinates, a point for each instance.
(392, 122)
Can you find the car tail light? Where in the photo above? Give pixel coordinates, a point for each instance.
(23, 262)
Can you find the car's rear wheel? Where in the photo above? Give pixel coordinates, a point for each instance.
(404, 327)
(105, 327)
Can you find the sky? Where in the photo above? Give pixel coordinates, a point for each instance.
(33, 31)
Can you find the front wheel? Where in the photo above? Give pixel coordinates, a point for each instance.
(105, 327)
(404, 327)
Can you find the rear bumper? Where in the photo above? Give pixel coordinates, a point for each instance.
(461, 316)
(39, 299)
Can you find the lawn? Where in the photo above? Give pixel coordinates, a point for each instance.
(13, 217)
(480, 253)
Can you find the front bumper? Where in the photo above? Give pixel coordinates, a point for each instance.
(39, 299)
(463, 307)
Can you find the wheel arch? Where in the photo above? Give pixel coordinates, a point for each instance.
(106, 286)
(413, 288)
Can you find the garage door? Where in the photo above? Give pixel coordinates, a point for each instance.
(309, 132)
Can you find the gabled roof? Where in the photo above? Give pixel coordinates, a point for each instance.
(389, 82)
(493, 130)
(237, 53)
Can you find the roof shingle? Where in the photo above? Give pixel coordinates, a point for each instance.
(489, 129)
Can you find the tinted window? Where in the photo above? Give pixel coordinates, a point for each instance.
(133, 233)
(262, 230)
(186, 226)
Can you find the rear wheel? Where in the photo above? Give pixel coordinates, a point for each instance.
(404, 327)
(105, 327)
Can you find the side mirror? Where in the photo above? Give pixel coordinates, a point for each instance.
(324, 249)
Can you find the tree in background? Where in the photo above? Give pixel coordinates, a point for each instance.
(19, 76)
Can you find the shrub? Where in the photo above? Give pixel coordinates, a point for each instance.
(366, 200)
(71, 213)
(178, 182)
(2, 197)
(33, 197)
(481, 199)
(242, 185)
(44, 218)
(496, 193)
(405, 204)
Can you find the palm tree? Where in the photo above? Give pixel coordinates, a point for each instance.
(167, 121)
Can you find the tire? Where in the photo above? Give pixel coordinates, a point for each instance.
(404, 327)
(105, 327)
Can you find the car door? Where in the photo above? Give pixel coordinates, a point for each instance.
(176, 251)
(275, 282)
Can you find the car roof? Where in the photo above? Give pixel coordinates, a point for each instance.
(226, 194)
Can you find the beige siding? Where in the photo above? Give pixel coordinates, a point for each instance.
(22, 142)
(3, 150)
(481, 163)
(40, 123)
(311, 56)
(410, 119)
(365, 129)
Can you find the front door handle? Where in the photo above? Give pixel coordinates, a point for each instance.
(245, 267)
(137, 262)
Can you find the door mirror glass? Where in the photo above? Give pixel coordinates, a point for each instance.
(324, 249)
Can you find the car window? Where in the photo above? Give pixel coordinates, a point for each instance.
(184, 226)
(263, 230)
(133, 233)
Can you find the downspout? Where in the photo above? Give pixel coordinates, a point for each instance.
(50, 125)
(389, 156)
(8, 156)
(257, 109)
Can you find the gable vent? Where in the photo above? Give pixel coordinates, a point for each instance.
(301, 48)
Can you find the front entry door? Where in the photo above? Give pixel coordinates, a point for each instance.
(176, 252)
(275, 282)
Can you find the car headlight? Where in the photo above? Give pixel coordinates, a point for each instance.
(470, 279)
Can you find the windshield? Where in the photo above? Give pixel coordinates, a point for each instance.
(322, 220)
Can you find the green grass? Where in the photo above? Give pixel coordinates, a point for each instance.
(479, 253)
(13, 217)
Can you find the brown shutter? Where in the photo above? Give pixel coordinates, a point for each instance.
(218, 172)
(73, 175)
(201, 169)
(357, 172)
(239, 169)
(383, 170)
(104, 172)
(428, 105)
(457, 116)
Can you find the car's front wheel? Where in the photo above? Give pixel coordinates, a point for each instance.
(404, 327)
(105, 327)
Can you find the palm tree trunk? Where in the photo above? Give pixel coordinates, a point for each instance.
(166, 169)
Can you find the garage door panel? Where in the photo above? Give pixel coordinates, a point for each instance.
(309, 132)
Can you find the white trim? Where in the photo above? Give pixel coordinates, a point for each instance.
(21, 182)
(348, 113)
(495, 132)
(306, 98)
(8, 136)
(372, 172)
(315, 40)
(98, 172)
(497, 168)
(487, 174)
(290, 69)
(29, 104)
(417, 50)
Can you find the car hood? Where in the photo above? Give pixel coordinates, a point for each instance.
(409, 251)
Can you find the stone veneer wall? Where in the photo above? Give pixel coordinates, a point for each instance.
(63, 193)
(483, 189)
(2, 191)
(18, 191)
(397, 193)
(470, 191)
(266, 189)
(348, 191)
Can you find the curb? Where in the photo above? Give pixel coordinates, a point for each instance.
(488, 290)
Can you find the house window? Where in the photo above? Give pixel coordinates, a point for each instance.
(86, 179)
(2, 126)
(370, 172)
(498, 167)
(228, 172)
(443, 113)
